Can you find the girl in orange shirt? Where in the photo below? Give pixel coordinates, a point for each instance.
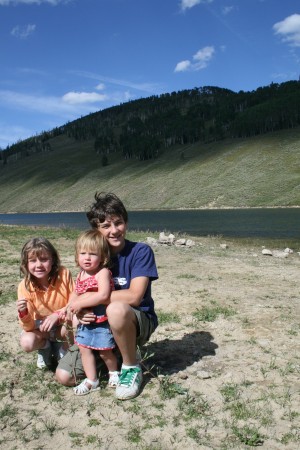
(42, 297)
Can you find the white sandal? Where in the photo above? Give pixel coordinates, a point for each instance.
(113, 378)
(86, 387)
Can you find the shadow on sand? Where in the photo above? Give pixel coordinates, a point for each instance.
(172, 355)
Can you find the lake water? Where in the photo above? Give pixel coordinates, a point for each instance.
(270, 223)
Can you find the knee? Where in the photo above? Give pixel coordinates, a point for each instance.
(120, 316)
(26, 343)
(64, 377)
(117, 311)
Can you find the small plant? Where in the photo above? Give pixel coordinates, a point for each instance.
(193, 407)
(291, 436)
(3, 386)
(169, 389)
(77, 438)
(93, 422)
(92, 439)
(210, 313)
(187, 276)
(8, 411)
(6, 297)
(193, 433)
(164, 317)
(230, 392)
(134, 435)
(248, 435)
(160, 421)
(134, 407)
(4, 356)
(50, 426)
(242, 411)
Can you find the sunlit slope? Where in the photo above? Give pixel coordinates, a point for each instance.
(261, 171)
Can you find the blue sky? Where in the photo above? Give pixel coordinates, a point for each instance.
(62, 59)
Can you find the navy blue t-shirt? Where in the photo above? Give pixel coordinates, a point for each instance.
(136, 260)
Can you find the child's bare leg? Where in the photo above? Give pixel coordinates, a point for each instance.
(110, 359)
(89, 363)
(33, 340)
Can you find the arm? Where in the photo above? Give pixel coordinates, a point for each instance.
(134, 294)
(25, 308)
(90, 299)
(65, 288)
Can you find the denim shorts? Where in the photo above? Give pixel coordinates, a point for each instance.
(95, 336)
(72, 364)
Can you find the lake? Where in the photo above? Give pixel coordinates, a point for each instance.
(255, 222)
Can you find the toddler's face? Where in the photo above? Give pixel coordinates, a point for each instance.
(89, 261)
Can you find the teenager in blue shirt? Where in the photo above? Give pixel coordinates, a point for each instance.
(130, 312)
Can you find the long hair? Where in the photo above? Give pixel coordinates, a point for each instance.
(36, 247)
(93, 241)
(106, 205)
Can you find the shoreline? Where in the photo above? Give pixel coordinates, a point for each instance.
(163, 209)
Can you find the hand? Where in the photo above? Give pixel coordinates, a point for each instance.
(62, 314)
(22, 305)
(86, 316)
(74, 305)
(49, 323)
(68, 315)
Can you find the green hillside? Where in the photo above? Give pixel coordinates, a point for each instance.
(260, 171)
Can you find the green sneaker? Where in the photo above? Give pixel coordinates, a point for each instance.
(129, 384)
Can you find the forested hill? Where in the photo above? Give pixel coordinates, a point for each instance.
(204, 147)
(142, 129)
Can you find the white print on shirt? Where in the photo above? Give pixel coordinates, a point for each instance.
(119, 281)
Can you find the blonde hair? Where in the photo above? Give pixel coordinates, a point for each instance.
(36, 247)
(93, 241)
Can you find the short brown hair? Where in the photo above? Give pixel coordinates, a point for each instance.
(106, 205)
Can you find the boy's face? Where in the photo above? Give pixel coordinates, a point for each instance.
(113, 229)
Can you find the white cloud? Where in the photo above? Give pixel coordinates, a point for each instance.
(182, 66)
(187, 4)
(203, 56)
(76, 98)
(31, 2)
(100, 87)
(23, 32)
(57, 106)
(201, 60)
(68, 107)
(289, 29)
(152, 88)
(53, 111)
(227, 9)
(284, 76)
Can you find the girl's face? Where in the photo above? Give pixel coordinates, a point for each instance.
(89, 261)
(40, 266)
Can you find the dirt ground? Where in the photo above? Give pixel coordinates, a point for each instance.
(220, 372)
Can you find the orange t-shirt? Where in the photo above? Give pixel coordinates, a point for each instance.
(41, 304)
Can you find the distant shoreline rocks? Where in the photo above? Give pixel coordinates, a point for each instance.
(170, 239)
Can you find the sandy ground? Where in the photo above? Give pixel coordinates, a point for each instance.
(220, 372)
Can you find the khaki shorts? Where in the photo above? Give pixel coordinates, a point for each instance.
(72, 364)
